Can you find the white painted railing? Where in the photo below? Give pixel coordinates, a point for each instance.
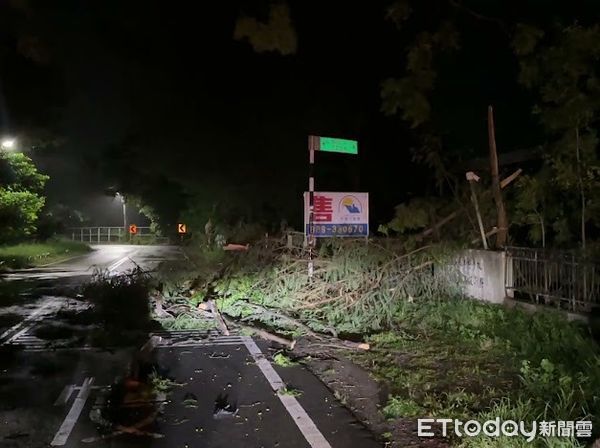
(100, 235)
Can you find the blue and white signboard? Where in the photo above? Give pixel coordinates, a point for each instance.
(337, 214)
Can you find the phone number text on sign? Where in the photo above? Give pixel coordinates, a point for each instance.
(325, 230)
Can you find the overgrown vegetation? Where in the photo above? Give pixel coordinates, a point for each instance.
(555, 56)
(32, 254)
(355, 288)
(187, 321)
(436, 353)
(21, 196)
(462, 359)
(121, 304)
(183, 287)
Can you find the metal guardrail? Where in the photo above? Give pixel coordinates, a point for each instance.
(107, 235)
(556, 278)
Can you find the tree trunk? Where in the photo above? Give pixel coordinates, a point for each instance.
(502, 235)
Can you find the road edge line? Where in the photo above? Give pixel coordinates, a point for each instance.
(307, 427)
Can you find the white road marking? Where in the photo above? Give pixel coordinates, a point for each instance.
(16, 336)
(302, 420)
(68, 390)
(71, 419)
(115, 265)
(52, 301)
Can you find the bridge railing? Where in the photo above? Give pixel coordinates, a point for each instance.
(550, 277)
(107, 235)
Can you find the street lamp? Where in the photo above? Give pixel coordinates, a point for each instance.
(8, 143)
(120, 196)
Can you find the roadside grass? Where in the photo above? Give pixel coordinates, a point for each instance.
(401, 407)
(440, 376)
(25, 255)
(463, 359)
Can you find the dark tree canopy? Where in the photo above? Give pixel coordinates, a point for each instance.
(208, 106)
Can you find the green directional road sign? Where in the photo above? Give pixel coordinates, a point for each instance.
(329, 144)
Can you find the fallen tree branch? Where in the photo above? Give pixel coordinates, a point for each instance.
(406, 255)
(324, 340)
(159, 311)
(345, 344)
(510, 178)
(218, 317)
(262, 333)
(278, 315)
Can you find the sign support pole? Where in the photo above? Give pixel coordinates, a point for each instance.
(311, 199)
(326, 144)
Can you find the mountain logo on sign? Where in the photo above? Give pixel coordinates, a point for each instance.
(350, 205)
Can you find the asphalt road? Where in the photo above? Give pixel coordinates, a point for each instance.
(114, 258)
(215, 390)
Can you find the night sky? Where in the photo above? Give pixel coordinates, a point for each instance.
(158, 99)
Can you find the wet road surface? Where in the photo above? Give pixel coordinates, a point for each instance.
(213, 390)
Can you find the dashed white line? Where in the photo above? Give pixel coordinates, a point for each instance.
(71, 419)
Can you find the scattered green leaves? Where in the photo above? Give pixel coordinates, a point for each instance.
(288, 390)
(282, 360)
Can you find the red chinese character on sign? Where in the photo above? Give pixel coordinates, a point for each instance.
(322, 209)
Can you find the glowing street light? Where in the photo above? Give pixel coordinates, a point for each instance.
(8, 143)
(122, 198)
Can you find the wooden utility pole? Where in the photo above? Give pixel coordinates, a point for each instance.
(502, 234)
(473, 178)
(503, 184)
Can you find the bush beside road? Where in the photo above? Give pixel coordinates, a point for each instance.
(24, 255)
